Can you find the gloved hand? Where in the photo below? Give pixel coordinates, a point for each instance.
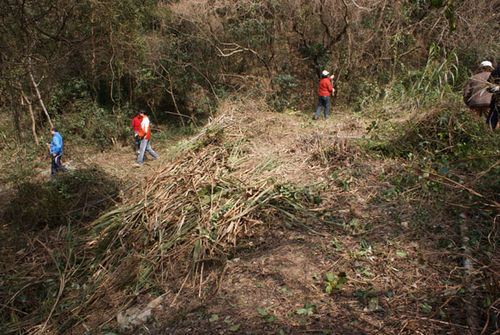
(494, 89)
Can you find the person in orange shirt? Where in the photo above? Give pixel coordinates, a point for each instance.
(145, 136)
(325, 90)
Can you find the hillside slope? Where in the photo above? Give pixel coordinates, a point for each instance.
(262, 223)
(361, 257)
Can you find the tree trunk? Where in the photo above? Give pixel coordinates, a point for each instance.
(24, 98)
(35, 86)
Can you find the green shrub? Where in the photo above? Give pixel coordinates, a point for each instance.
(92, 125)
(446, 132)
(283, 96)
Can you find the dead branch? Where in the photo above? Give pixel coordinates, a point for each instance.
(171, 92)
(24, 99)
(40, 100)
(233, 48)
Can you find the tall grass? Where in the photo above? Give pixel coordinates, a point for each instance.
(412, 88)
(437, 77)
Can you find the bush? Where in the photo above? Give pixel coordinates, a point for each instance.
(281, 98)
(447, 132)
(92, 125)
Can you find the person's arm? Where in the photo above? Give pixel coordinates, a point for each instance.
(55, 145)
(494, 79)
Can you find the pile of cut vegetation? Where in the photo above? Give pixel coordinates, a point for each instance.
(186, 217)
(189, 211)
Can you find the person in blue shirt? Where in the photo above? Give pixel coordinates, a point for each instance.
(56, 151)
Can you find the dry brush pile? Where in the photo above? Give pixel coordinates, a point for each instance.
(189, 211)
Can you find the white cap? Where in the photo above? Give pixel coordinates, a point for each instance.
(325, 73)
(486, 63)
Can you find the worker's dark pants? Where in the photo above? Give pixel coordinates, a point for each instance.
(137, 140)
(324, 102)
(56, 166)
(492, 119)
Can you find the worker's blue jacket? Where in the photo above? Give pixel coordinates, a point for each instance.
(56, 146)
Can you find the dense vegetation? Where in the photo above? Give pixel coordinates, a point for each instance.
(88, 66)
(75, 62)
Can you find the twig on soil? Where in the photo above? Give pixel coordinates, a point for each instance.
(442, 322)
(454, 184)
(482, 174)
(180, 290)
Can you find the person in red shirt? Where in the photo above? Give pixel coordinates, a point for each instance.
(136, 126)
(325, 90)
(145, 136)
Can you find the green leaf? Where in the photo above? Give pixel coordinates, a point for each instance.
(234, 328)
(271, 318)
(213, 318)
(306, 311)
(196, 250)
(262, 312)
(426, 308)
(303, 311)
(341, 281)
(330, 277)
(401, 254)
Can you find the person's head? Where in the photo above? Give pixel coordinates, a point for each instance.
(485, 66)
(53, 130)
(142, 112)
(324, 74)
